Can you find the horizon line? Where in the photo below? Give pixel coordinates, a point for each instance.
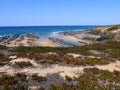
(51, 25)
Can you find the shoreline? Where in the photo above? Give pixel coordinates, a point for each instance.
(33, 40)
(60, 39)
(63, 39)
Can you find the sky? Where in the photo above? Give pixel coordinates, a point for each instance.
(59, 12)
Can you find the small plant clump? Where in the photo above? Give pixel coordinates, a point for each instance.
(35, 77)
(23, 64)
(68, 78)
(21, 76)
(4, 59)
(9, 82)
(3, 47)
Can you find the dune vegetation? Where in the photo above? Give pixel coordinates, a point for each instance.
(90, 79)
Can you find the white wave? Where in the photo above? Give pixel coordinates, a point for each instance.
(79, 29)
(1, 36)
(55, 34)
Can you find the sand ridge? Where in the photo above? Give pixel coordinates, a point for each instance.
(63, 70)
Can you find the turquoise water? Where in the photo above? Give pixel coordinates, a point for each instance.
(42, 31)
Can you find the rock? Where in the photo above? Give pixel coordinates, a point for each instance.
(20, 38)
(104, 38)
(4, 38)
(108, 33)
(89, 38)
(31, 35)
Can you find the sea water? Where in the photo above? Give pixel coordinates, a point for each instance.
(42, 31)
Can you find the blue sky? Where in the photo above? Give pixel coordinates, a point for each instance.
(59, 12)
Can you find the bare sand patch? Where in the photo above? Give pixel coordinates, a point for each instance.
(75, 55)
(46, 42)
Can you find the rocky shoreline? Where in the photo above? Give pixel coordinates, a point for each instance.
(67, 39)
(97, 35)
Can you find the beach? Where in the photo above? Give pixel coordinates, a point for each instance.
(54, 36)
(62, 40)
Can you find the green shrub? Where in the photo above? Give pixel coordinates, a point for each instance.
(103, 74)
(68, 78)
(7, 80)
(21, 76)
(23, 64)
(3, 47)
(38, 78)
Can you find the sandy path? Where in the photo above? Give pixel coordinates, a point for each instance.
(48, 70)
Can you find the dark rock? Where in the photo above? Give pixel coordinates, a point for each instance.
(89, 38)
(31, 35)
(13, 37)
(104, 37)
(4, 38)
(20, 38)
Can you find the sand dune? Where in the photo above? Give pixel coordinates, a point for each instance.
(63, 70)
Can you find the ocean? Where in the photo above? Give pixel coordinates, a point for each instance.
(42, 31)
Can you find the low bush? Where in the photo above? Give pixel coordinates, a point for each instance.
(68, 78)
(7, 80)
(23, 64)
(3, 47)
(21, 76)
(90, 80)
(103, 74)
(38, 78)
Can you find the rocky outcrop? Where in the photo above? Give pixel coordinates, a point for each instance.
(97, 35)
(8, 38)
(4, 38)
(31, 35)
(108, 33)
(61, 42)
